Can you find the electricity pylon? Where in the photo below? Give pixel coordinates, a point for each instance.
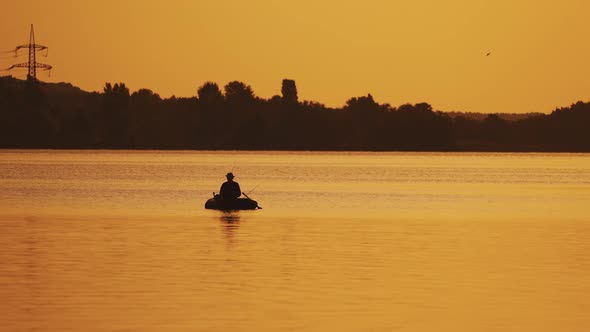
(32, 65)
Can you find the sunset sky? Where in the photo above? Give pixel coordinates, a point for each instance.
(399, 51)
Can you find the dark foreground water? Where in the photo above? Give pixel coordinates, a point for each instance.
(119, 241)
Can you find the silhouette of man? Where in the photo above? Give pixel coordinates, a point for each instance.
(230, 189)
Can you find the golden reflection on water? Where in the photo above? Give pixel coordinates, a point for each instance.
(232, 272)
(430, 256)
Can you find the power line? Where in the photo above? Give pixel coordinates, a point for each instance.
(32, 65)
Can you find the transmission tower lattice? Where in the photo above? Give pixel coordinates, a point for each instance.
(32, 65)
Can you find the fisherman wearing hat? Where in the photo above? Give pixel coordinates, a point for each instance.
(230, 189)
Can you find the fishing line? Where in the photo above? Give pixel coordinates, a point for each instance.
(248, 193)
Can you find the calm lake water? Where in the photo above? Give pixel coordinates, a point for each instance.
(120, 241)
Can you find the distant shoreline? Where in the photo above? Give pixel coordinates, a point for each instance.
(297, 151)
(36, 115)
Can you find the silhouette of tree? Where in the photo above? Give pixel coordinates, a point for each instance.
(47, 115)
(418, 127)
(289, 91)
(210, 96)
(116, 96)
(38, 123)
(362, 104)
(116, 115)
(570, 127)
(495, 130)
(362, 115)
(146, 95)
(238, 95)
(34, 96)
(275, 100)
(145, 120)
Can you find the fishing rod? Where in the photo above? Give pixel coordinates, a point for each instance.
(246, 194)
(257, 206)
(253, 189)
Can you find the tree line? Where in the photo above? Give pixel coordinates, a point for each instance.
(48, 115)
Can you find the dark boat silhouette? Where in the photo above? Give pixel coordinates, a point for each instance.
(218, 203)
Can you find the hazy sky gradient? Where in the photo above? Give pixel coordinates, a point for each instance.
(399, 51)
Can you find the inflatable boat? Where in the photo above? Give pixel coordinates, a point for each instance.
(218, 203)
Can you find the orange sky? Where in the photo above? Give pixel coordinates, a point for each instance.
(399, 51)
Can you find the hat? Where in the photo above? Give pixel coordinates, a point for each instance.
(229, 175)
